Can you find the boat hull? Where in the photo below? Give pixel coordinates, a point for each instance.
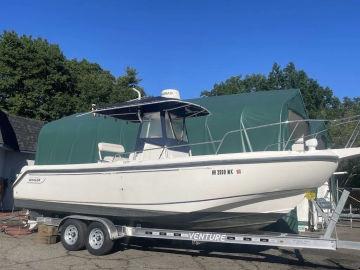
(205, 221)
(231, 191)
(230, 221)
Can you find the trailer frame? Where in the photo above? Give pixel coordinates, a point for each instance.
(324, 241)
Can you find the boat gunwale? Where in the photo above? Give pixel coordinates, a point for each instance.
(150, 166)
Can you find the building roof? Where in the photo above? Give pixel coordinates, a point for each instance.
(19, 133)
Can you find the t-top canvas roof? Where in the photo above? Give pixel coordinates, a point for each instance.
(134, 109)
(74, 139)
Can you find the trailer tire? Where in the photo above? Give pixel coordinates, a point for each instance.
(98, 240)
(73, 233)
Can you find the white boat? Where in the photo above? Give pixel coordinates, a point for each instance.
(162, 184)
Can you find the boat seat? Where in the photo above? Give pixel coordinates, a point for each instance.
(116, 149)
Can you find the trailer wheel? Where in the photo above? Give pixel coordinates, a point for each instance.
(73, 234)
(98, 239)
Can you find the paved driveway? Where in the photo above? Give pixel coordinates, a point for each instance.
(23, 253)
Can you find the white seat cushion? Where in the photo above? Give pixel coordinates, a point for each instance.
(111, 147)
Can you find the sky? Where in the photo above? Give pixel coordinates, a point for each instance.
(190, 45)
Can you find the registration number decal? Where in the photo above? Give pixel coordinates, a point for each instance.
(226, 172)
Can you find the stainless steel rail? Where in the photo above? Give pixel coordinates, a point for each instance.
(336, 122)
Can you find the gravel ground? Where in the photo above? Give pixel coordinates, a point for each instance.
(24, 253)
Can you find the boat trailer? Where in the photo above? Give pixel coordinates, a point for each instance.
(114, 232)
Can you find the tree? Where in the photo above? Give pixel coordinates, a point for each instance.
(347, 109)
(340, 135)
(317, 99)
(92, 84)
(123, 91)
(276, 78)
(37, 81)
(34, 79)
(237, 85)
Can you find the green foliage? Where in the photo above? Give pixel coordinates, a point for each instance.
(37, 81)
(317, 99)
(123, 84)
(34, 79)
(91, 84)
(340, 134)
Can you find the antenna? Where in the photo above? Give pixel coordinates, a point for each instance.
(138, 92)
(93, 108)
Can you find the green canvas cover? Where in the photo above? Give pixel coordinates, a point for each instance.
(74, 139)
(243, 111)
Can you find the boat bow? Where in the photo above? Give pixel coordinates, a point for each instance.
(346, 153)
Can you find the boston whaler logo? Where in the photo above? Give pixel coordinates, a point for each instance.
(36, 180)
